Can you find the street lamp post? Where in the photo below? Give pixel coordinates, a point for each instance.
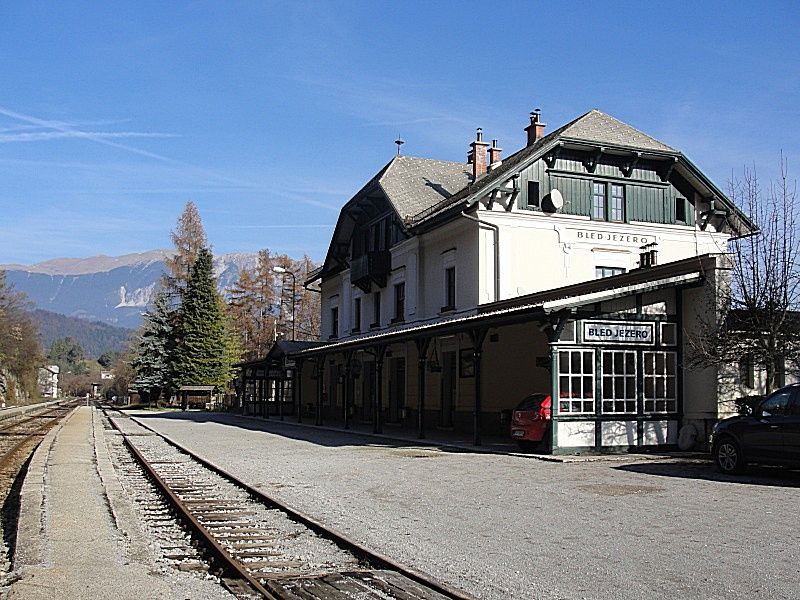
(284, 271)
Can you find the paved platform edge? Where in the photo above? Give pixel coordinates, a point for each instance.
(122, 512)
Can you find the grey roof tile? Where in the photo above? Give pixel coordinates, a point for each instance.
(597, 126)
(413, 184)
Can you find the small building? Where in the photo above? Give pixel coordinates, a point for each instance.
(197, 396)
(106, 375)
(266, 386)
(48, 381)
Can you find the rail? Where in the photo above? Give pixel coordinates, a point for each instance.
(216, 522)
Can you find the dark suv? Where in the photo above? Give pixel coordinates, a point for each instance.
(768, 434)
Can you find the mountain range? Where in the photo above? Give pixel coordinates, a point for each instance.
(115, 290)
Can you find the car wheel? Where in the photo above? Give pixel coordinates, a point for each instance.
(728, 456)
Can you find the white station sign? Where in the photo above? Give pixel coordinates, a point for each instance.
(618, 332)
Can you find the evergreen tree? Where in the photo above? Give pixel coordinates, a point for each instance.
(205, 352)
(68, 355)
(155, 350)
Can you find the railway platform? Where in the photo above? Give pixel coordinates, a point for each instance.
(77, 537)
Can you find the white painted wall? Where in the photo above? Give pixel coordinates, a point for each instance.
(541, 251)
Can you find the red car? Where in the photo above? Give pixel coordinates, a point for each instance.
(530, 421)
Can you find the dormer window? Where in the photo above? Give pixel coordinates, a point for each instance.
(608, 202)
(680, 210)
(598, 201)
(533, 195)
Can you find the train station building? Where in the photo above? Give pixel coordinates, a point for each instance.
(578, 267)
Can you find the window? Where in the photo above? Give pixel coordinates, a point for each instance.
(600, 272)
(357, 315)
(576, 381)
(399, 302)
(794, 405)
(669, 334)
(746, 372)
(660, 388)
(376, 309)
(680, 210)
(607, 207)
(780, 372)
(533, 195)
(617, 206)
(619, 381)
(335, 321)
(449, 288)
(775, 405)
(598, 200)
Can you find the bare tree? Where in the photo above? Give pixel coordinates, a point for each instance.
(757, 319)
(189, 237)
(260, 304)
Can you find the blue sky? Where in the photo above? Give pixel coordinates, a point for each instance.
(271, 115)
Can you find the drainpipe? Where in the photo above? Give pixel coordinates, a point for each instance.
(496, 231)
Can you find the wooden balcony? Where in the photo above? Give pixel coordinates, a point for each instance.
(372, 267)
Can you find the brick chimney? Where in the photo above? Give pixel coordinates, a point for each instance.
(477, 155)
(536, 128)
(494, 155)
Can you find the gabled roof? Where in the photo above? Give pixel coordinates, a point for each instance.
(421, 189)
(278, 350)
(593, 128)
(597, 126)
(410, 185)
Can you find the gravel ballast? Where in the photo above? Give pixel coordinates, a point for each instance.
(76, 539)
(508, 527)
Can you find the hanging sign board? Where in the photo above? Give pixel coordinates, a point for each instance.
(618, 332)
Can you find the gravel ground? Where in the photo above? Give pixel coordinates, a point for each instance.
(511, 527)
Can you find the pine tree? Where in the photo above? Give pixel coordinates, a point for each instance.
(189, 237)
(205, 352)
(155, 350)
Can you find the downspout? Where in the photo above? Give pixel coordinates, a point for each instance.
(496, 231)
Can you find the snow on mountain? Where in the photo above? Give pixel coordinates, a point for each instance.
(110, 289)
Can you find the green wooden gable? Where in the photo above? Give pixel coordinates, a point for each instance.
(647, 197)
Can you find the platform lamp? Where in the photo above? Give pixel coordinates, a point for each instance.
(285, 271)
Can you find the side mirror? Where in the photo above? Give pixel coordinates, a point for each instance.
(745, 410)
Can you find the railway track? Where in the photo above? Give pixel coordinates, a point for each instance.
(17, 432)
(260, 547)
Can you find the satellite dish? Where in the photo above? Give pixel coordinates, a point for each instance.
(554, 201)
